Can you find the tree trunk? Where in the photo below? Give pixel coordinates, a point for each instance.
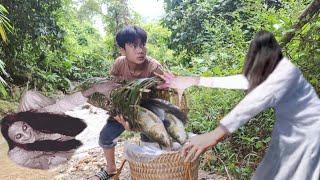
(311, 11)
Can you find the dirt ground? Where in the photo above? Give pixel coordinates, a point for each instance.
(87, 165)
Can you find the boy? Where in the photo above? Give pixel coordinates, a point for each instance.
(133, 64)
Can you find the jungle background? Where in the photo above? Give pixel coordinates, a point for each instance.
(48, 44)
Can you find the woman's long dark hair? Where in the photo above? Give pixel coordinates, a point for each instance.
(262, 58)
(46, 123)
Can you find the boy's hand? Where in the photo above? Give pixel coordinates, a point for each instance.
(124, 123)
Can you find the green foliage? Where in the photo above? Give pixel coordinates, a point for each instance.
(241, 152)
(7, 107)
(4, 23)
(304, 49)
(89, 9)
(5, 26)
(3, 84)
(35, 35)
(87, 55)
(51, 46)
(117, 17)
(157, 45)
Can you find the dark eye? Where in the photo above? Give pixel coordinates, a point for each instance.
(24, 127)
(18, 136)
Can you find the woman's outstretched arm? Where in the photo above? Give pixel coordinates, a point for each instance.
(182, 82)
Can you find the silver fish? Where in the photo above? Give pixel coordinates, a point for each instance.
(176, 128)
(152, 126)
(169, 114)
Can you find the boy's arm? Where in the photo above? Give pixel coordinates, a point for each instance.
(115, 73)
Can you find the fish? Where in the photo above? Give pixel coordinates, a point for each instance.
(151, 125)
(176, 128)
(168, 114)
(167, 107)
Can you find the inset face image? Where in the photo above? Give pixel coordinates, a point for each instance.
(21, 132)
(41, 140)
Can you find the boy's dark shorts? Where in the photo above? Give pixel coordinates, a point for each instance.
(111, 131)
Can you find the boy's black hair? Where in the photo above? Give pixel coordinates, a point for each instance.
(130, 34)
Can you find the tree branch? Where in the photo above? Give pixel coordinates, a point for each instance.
(311, 11)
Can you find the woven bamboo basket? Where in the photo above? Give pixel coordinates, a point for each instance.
(169, 166)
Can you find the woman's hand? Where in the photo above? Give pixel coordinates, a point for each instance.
(177, 82)
(167, 77)
(201, 143)
(196, 146)
(124, 123)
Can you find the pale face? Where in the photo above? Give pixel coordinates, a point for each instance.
(20, 132)
(135, 52)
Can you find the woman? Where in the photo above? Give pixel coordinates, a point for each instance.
(40, 135)
(271, 81)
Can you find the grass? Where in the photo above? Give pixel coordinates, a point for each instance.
(240, 153)
(7, 107)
